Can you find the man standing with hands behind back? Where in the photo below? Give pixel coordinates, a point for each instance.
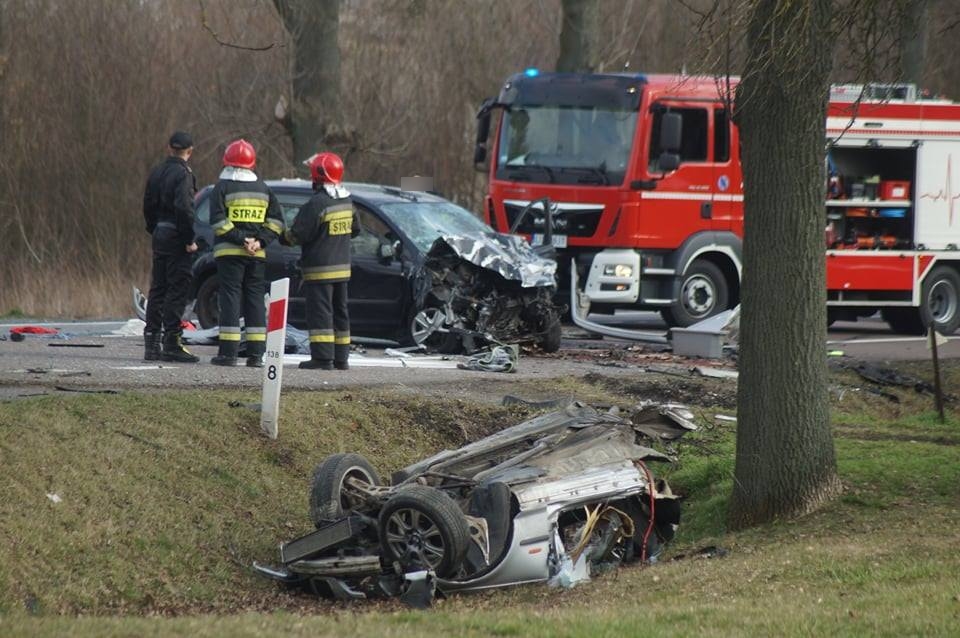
(324, 226)
(245, 216)
(168, 213)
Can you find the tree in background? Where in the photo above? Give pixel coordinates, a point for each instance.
(914, 24)
(579, 34)
(315, 119)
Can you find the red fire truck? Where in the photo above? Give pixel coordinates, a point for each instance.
(645, 190)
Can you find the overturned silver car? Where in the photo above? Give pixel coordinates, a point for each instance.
(555, 498)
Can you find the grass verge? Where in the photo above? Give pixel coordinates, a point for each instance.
(165, 500)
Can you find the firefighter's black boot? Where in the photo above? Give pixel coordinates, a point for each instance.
(227, 352)
(173, 350)
(255, 361)
(151, 346)
(341, 365)
(316, 364)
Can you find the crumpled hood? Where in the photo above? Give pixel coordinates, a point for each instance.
(510, 256)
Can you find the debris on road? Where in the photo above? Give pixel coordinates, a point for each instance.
(61, 344)
(64, 388)
(500, 358)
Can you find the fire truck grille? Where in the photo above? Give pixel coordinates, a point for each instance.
(573, 223)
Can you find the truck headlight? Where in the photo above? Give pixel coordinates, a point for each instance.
(618, 270)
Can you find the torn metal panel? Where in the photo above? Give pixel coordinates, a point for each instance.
(510, 256)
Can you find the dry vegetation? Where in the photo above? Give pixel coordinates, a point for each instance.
(90, 90)
(167, 497)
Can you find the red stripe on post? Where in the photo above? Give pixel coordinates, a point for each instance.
(278, 309)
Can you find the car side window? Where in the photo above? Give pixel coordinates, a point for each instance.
(291, 206)
(202, 213)
(373, 232)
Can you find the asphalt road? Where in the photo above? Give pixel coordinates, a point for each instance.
(116, 362)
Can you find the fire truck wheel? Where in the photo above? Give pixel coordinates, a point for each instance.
(940, 300)
(704, 292)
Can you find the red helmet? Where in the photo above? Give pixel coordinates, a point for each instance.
(240, 154)
(326, 167)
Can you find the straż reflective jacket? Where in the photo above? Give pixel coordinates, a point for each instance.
(240, 210)
(324, 226)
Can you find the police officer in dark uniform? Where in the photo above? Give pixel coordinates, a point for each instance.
(245, 217)
(324, 226)
(168, 212)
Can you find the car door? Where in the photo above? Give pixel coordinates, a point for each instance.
(377, 289)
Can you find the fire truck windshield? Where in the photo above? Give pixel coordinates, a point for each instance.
(567, 145)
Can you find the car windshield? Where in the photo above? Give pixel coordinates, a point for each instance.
(567, 145)
(423, 222)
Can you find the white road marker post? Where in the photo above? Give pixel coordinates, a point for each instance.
(273, 359)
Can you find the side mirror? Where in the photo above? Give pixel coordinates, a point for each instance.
(480, 157)
(668, 162)
(671, 128)
(386, 251)
(483, 132)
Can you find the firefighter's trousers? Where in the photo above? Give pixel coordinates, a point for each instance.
(328, 320)
(169, 287)
(242, 286)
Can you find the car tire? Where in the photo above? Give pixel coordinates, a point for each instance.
(207, 306)
(550, 341)
(940, 300)
(903, 320)
(328, 497)
(703, 292)
(421, 527)
(419, 333)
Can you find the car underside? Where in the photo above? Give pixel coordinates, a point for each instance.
(556, 498)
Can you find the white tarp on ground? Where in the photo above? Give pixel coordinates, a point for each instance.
(363, 361)
(133, 328)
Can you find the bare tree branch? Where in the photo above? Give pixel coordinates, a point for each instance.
(209, 29)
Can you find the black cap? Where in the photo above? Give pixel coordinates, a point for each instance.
(181, 140)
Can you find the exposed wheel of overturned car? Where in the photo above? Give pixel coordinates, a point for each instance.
(330, 491)
(421, 527)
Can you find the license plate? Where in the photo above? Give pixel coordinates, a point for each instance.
(559, 241)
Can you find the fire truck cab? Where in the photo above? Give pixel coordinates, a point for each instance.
(645, 189)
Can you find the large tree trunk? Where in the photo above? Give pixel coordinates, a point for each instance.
(914, 25)
(578, 46)
(315, 119)
(785, 463)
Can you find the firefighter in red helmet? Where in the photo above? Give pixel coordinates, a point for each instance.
(324, 226)
(245, 217)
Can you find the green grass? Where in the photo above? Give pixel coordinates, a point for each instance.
(168, 497)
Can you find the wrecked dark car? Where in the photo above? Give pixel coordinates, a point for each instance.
(424, 271)
(556, 498)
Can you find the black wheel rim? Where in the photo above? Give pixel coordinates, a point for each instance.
(414, 538)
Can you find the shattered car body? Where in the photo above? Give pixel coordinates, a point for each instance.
(424, 271)
(555, 498)
(491, 287)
